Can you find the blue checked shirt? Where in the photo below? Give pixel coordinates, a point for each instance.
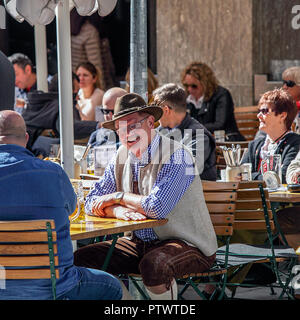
(172, 181)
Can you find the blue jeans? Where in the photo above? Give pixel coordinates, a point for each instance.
(94, 285)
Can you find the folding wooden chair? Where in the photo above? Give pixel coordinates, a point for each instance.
(247, 121)
(220, 198)
(28, 250)
(255, 213)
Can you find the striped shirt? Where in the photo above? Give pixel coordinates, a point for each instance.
(172, 181)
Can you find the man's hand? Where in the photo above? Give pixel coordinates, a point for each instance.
(100, 203)
(295, 176)
(127, 214)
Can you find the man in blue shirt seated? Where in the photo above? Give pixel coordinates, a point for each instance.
(32, 189)
(151, 176)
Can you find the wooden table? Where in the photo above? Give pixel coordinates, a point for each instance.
(284, 196)
(94, 227)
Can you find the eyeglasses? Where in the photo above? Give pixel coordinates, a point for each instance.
(289, 83)
(193, 85)
(107, 111)
(133, 126)
(264, 111)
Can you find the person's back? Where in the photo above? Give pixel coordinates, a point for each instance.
(34, 189)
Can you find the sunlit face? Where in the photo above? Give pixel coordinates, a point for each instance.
(22, 80)
(193, 86)
(294, 90)
(134, 132)
(268, 121)
(86, 79)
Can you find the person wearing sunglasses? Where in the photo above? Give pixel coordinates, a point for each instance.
(208, 102)
(151, 176)
(102, 135)
(276, 113)
(291, 83)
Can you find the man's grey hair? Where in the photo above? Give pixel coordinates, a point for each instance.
(171, 94)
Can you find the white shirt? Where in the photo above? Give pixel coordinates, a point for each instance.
(197, 103)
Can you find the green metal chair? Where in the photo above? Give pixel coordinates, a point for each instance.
(255, 217)
(28, 250)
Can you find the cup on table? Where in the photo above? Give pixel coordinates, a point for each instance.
(246, 171)
(219, 135)
(271, 170)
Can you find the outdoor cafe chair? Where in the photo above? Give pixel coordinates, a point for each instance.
(28, 250)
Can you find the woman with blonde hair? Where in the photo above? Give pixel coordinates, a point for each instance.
(90, 93)
(208, 102)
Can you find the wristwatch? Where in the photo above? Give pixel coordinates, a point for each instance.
(119, 196)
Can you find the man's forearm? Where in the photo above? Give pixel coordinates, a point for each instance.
(133, 201)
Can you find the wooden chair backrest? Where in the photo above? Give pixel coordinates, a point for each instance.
(249, 214)
(247, 121)
(220, 198)
(24, 249)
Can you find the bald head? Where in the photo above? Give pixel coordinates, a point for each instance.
(12, 128)
(109, 100)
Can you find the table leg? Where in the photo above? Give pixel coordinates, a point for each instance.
(111, 249)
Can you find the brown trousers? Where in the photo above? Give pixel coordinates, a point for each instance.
(158, 262)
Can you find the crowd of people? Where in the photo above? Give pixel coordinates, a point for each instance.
(165, 147)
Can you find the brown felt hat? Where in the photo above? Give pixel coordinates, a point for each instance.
(131, 103)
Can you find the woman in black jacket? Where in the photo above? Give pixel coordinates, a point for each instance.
(277, 111)
(209, 103)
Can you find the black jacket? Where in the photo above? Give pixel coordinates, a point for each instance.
(191, 138)
(218, 114)
(42, 112)
(288, 148)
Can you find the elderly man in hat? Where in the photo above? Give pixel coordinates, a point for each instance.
(151, 176)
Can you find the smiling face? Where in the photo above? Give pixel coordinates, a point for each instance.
(87, 80)
(134, 132)
(268, 121)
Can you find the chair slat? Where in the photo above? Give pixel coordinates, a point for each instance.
(214, 186)
(26, 261)
(218, 219)
(248, 124)
(220, 196)
(254, 215)
(252, 225)
(249, 194)
(221, 207)
(29, 274)
(25, 225)
(253, 204)
(244, 109)
(8, 249)
(223, 230)
(27, 236)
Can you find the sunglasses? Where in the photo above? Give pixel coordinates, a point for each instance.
(107, 111)
(193, 86)
(264, 111)
(289, 83)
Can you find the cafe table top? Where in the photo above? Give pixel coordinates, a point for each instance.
(284, 196)
(96, 226)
